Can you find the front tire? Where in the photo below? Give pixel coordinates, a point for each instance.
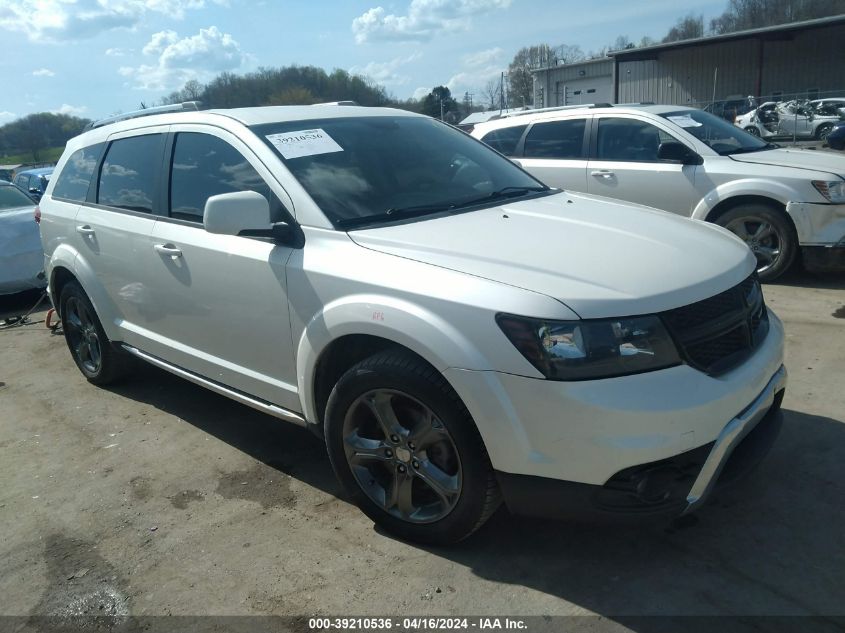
(89, 346)
(752, 130)
(823, 130)
(768, 233)
(407, 451)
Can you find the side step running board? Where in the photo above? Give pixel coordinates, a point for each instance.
(255, 403)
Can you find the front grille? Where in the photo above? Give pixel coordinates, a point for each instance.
(717, 334)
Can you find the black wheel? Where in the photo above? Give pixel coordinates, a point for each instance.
(407, 451)
(768, 233)
(91, 349)
(823, 130)
(752, 130)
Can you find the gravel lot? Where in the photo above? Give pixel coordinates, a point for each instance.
(158, 497)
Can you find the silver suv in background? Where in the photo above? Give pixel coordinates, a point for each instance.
(456, 331)
(691, 163)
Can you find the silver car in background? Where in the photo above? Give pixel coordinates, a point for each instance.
(692, 163)
(21, 255)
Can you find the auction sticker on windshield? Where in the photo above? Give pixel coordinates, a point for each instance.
(304, 143)
(684, 121)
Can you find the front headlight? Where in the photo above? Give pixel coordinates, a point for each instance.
(833, 190)
(585, 350)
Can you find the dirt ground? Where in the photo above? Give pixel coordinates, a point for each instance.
(158, 497)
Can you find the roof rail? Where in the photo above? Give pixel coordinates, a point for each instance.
(348, 102)
(177, 107)
(554, 108)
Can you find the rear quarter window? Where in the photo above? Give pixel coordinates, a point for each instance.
(75, 178)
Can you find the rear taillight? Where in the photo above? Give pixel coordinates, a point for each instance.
(37, 215)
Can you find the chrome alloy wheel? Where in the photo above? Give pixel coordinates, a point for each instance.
(402, 456)
(762, 238)
(82, 335)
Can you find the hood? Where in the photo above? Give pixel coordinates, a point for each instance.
(801, 158)
(599, 257)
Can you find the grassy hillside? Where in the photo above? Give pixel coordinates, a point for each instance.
(50, 155)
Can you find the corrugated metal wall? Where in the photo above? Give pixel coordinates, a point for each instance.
(548, 83)
(812, 60)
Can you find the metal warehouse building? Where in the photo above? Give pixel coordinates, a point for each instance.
(585, 82)
(798, 60)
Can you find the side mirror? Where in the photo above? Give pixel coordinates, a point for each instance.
(678, 153)
(247, 213)
(232, 213)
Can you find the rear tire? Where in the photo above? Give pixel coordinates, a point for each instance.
(752, 130)
(93, 353)
(768, 233)
(407, 451)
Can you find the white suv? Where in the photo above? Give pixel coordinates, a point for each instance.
(456, 331)
(692, 163)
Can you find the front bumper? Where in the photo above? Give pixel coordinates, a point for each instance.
(824, 259)
(818, 224)
(669, 487)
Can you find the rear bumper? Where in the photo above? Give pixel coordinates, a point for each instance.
(663, 489)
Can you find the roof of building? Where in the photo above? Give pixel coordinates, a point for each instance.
(583, 62)
(767, 31)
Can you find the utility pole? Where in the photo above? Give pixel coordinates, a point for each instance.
(502, 93)
(441, 108)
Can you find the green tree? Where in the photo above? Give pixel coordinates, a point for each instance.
(686, 28)
(751, 14)
(36, 132)
(440, 101)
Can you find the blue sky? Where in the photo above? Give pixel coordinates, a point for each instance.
(97, 57)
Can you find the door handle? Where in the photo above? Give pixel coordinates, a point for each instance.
(85, 230)
(168, 249)
(602, 173)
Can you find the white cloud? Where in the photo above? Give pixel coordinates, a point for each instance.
(5, 115)
(421, 92)
(62, 20)
(159, 42)
(71, 110)
(385, 73)
(482, 58)
(425, 18)
(43, 72)
(196, 57)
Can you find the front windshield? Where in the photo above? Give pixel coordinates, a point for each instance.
(718, 134)
(13, 198)
(361, 170)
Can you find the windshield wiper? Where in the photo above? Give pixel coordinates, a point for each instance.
(394, 213)
(504, 192)
(747, 150)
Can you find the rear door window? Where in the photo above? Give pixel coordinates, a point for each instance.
(505, 139)
(128, 177)
(73, 181)
(556, 139)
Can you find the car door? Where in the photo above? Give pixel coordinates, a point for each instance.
(624, 164)
(112, 228)
(220, 304)
(555, 152)
(795, 121)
